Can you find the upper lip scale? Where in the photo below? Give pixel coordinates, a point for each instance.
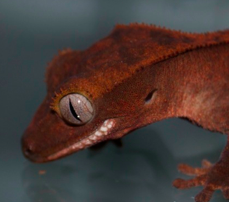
(95, 137)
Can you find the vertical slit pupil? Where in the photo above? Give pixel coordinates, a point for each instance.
(73, 111)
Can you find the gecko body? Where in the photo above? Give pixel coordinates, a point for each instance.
(136, 76)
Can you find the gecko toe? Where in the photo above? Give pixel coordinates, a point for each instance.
(205, 195)
(186, 169)
(185, 184)
(225, 192)
(189, 170)
(179, 183)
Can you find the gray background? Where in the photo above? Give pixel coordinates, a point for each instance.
(31, 33)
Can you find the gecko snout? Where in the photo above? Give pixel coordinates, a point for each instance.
(27, 149)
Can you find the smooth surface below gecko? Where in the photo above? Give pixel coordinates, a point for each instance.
(31, 33)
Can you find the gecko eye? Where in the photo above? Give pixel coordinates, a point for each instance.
(76, 109)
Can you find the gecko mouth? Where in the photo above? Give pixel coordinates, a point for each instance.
(97, 136)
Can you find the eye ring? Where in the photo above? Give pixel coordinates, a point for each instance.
(76, 109)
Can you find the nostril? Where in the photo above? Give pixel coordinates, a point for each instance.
(27, 148)
(28, 152)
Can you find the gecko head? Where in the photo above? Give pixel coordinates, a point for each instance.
(74, 124)
(92, 96)
(72, 119)
(82, 113)
(51, 136)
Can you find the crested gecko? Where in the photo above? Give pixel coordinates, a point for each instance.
(137, 75)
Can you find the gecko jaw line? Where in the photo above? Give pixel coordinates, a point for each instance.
(96, 136)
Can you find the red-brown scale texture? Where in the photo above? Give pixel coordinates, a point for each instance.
(137, 75)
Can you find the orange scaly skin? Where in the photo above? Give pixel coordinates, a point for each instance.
(138, 75)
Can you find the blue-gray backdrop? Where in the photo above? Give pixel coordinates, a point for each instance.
(31, 33)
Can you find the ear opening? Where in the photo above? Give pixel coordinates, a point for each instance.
(151, 95)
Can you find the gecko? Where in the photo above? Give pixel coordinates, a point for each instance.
(137, 75)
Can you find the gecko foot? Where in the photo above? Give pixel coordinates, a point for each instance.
(212, 177)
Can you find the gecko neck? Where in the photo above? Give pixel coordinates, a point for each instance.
(201, 94)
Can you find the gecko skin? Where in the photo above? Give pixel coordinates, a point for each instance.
(137, 75)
